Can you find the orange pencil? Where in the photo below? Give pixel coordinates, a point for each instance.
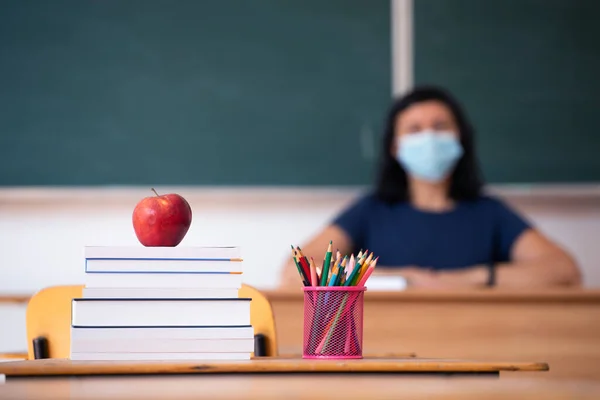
(334, 274)
(313, 273)
(367, 274)
(362, 278)
(333, 264)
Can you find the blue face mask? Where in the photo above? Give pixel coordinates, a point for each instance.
(429, 155)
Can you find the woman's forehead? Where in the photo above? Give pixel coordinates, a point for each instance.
(425, 110)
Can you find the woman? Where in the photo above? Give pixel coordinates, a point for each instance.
(428, 220)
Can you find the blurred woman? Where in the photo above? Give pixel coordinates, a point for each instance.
(428, 220)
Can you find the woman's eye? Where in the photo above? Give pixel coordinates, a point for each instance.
(441, 125)
(413, 129)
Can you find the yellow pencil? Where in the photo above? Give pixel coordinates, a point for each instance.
(368, 260)
(371, 265)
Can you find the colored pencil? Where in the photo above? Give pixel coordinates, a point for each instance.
(341, 271)
(356, 270)
(366, 276)
(368, 260)
(352, 276)
(334, 262)
(299, 267)
(351, 264)
(313, 273)
(344, 270)
(364, 266)
(303, 262)
(334, 273)
(326, 263)
(371, 266)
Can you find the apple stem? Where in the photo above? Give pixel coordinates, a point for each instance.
(154, 191)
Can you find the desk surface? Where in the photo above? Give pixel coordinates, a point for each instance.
(567, 295)
(49, 367)
(298, 386)
(476, 295)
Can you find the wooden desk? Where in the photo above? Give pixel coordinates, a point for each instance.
(561, 327)
(55, 367)
(271, 387)
(255, 379)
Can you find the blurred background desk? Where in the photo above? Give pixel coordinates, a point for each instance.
(561, 327)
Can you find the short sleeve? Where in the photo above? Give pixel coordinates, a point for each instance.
(509, 226)
(353, 220)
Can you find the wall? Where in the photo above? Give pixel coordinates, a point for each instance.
(42, 233)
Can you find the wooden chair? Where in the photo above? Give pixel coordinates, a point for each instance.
(49, 316)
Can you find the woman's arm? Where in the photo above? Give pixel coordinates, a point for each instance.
(316, 248)
(536, 262)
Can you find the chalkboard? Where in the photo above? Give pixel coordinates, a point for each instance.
(186, 92)
(528, 73)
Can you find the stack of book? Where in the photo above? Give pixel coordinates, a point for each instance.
(161, 303)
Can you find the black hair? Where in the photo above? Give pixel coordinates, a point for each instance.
(466, 181)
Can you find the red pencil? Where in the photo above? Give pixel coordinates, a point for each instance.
(303, 261)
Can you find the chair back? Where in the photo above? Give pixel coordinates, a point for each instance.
(49, 315)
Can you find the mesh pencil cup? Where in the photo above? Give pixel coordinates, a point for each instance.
(333, 322)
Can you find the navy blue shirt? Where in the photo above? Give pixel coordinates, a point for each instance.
(472, 233)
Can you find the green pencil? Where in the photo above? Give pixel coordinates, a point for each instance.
(325, 272)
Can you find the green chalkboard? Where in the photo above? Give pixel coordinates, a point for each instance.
(528, 73)
(190, 92)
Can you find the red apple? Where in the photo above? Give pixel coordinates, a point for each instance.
(162, 220)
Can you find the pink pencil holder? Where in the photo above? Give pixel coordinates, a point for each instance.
(333, 322)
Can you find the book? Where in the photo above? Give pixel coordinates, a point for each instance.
(77, 356)
(146, 345)
(160, 312)
(158, 293)
(190, 280)
(161, 332)
(172, 253)
(162, 265)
